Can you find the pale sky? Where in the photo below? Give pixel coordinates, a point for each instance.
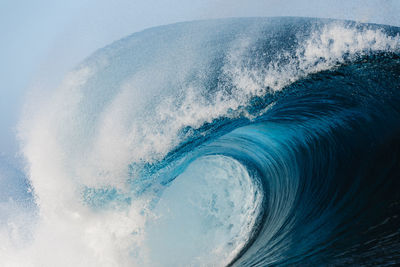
(43, 39)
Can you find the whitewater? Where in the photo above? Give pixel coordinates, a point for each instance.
(231, 142)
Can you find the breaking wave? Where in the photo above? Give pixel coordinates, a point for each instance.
(243, 142)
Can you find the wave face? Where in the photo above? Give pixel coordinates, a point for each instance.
(242, 142)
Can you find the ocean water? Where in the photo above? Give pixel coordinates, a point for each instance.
(233, 142)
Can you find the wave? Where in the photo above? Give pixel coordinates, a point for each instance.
(241, 142)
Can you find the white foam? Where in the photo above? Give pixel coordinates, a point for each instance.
(325, 49)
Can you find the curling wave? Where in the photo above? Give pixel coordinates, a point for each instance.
(243, 142)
